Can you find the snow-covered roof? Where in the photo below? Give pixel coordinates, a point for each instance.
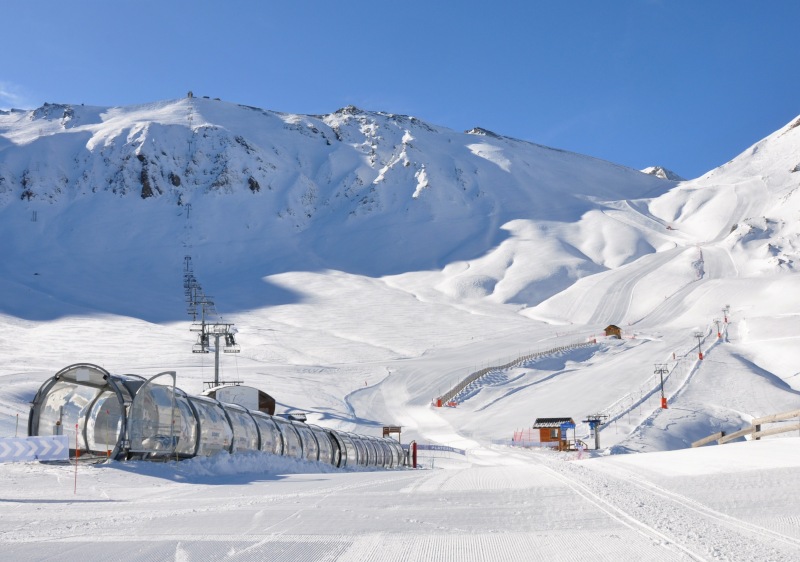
(542, 423)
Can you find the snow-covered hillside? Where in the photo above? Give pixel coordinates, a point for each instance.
(371, 261)
(407, 196)
(369, 236)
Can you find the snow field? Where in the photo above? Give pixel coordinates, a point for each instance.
(363, 287)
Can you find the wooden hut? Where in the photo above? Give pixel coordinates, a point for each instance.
(614, 331)
(550, 428)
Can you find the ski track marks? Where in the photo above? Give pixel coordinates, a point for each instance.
(679, 523)
(613, 293)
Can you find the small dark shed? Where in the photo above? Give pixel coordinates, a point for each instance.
(614, 331)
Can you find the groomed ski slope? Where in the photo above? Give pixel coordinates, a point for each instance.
(726, 503)
(732, 502)
(357, 348)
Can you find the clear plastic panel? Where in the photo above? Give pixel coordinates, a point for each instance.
(398, 455)
(130, 383)
(84, 375)
(104, 423)
(349, 454)
(162, 422)
(187, 431)
(310, 447)
(372, 455)
(271, 440)
(396, 459)
(324, 443)
(292, 446)
(216, 434)
(339, 458)
(379, 453)
(388, 455)
(245, 433)
(361, 449)
(66, 405)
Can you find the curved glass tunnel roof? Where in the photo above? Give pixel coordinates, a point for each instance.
(128, 416)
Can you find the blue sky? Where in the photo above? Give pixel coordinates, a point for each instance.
(685, 84)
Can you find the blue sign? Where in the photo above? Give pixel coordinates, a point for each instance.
(564, 427)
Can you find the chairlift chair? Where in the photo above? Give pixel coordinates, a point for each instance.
(231, 348)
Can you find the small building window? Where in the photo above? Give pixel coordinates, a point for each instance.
(554, 433)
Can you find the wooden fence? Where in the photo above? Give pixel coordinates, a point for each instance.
(446, 398)
(755, 430)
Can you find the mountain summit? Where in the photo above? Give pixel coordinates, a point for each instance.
(369, 193)
(352, 178)
(351, 159)
(662, 173)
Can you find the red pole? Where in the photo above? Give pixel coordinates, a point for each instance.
(413, 454)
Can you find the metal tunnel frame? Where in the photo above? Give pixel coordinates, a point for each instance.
(88, 400)
(130, 417)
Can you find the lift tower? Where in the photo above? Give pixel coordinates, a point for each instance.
(595, 421)
(699, 336)
(196, 298)
(662, 369)
(217, 331)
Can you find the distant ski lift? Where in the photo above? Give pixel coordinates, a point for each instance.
(202, 344)
(230, 344)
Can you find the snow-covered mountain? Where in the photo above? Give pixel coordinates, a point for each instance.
(367, 247)
(371, 262)
(663, 173)
(363, 192)
(351, 160)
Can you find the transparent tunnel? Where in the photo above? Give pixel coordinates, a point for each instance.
(130, 417)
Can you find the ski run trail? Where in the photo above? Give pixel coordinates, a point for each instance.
(370, 262)
(491, 505)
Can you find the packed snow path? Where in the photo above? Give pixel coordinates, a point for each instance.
(501, 505)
